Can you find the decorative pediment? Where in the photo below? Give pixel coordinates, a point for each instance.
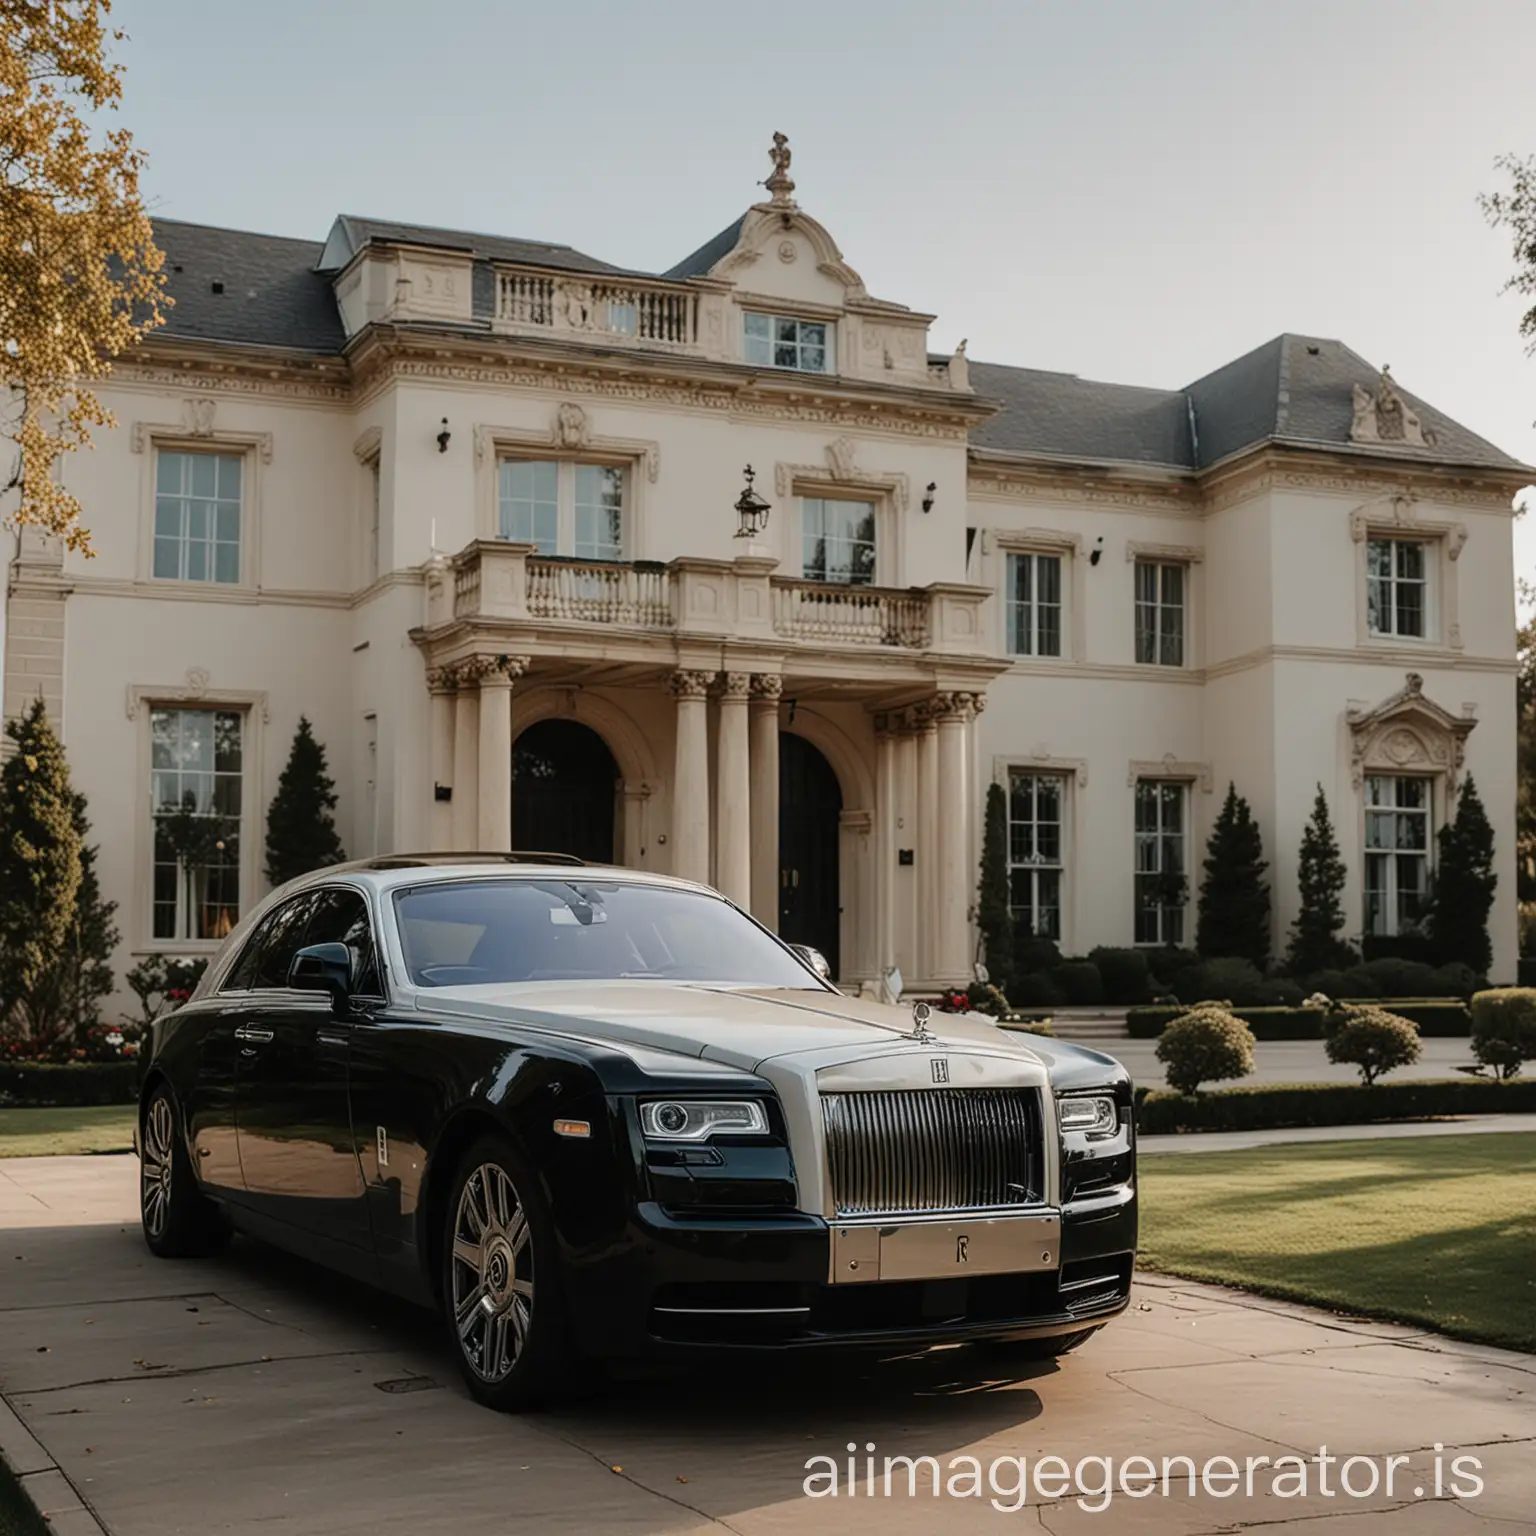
(1408, 733)
(842, 472)
(1382, 416)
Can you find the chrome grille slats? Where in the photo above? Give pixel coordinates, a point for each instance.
(913, 1151)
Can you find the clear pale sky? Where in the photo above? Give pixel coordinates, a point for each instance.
(1136, 190)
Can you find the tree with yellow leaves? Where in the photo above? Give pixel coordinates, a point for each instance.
(79, 272)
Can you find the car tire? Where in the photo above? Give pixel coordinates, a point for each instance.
(503, 1300)
(179, 1220)
(1039, 1349)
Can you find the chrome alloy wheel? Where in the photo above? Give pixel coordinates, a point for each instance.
(492, 1273)
(155, 1167)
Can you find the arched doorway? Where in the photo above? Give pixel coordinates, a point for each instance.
(563, 783)
(810, 805)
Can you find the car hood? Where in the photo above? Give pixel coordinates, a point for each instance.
(737, 1027)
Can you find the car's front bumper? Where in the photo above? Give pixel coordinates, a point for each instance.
(679, 1286)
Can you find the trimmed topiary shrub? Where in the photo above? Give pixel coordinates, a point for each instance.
(1458, 980)
(1504, 1029)
(1079, 982)
(1239, 982)
(1031, 954)
(49, 1083)
(1206, 1044)
(1035, 991)
(1127, 976)
(1372, 1039)
(1169, 963)
(1445, 1019)
(1398, 978)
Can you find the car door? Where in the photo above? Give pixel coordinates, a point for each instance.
(295, 1128)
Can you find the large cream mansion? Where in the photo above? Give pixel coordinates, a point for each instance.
(470, 504)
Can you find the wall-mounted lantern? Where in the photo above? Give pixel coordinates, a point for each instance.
(443, 437)
(751, 510)
(933, 485)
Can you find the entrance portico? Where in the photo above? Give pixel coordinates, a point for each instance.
(883, 687)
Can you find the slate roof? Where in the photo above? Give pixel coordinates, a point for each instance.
(356, 232)
(267, 290)
(707, 254)
(1297, 390)
(271, 294)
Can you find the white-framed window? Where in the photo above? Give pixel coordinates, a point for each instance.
(563, 507)
(1397, 841)
(1397, 587)
(1033, 605)
(372, 553)
(837, 541)
(1161, 606)
(779, 341)
(197, 516)
(1036, 803)
(197, 765)
(1162, 860)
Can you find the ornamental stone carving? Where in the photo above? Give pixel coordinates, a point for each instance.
(491, 670)
(688, 684)
(1407, 733)
(735, 685)
(1385, 417)
(947, 707)
(571, 428)
(767, 686)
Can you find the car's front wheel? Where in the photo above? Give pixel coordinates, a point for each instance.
(501, 1289)
(179, 1220)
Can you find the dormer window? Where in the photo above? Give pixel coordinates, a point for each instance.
(778, 341)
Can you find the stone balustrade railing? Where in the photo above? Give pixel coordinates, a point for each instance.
(739, 599)
(618, 308)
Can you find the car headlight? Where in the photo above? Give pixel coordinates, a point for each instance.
(1096, 1114)
(694, 1119)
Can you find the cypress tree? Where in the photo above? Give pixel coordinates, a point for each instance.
(301, 832)
(1234, 898)
(992, 906)
(40, 876)
(1320, 877)
(1463, 888)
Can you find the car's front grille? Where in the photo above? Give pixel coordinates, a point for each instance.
(939, 1149)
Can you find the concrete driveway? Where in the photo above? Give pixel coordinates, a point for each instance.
(254, 1393)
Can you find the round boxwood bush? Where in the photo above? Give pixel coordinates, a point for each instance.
(1239, 982)
(1205, 1044)
(1079, 983)
(1035, 991)
(1372, 1039)
(1504, 1028)
(1125, 972)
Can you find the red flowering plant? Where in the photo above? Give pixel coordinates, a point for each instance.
(954, 1000)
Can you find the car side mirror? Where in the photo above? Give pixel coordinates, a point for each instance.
(323, 968)
(815, 959)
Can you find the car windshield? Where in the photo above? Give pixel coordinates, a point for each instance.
(467, 933)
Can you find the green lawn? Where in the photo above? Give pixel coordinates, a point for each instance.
(1438, 1231)
(50, 1132)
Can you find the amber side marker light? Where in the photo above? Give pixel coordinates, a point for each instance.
(578, 1128)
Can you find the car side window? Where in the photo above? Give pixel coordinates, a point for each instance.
(341, 917)
(243, 976)
(284, 936)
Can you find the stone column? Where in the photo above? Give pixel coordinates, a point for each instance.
(439, 818)
(885, 842)
(466, 761)
(927, 839)
(766, 691)
(690, 778)
(905, 877)
(952, 961)
(494, 822)
(733, 820)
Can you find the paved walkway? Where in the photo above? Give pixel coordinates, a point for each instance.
(252, 1393)
(1237, 1141)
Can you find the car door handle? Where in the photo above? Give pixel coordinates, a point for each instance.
(250, 1032)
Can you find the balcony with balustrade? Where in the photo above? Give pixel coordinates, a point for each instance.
(592, 613)
(651, 315)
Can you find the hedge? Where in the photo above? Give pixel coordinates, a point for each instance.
(1436, 1019)
(1275, 1106)
(69, 1084)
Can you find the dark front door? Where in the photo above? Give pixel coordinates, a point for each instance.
(564, 780)
(810, 804)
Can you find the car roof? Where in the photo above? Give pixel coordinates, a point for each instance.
(388, 871)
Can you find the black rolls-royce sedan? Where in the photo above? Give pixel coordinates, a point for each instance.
(591, 1113)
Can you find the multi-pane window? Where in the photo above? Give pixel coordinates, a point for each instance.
(1033, 610)
(196, 760)
(776, 341)
(1160, 605)
(563, 508)
(1397, 587)
(1035, 850)
(838, 541)
(197, 516)
(1396, 852)
(1162, 862)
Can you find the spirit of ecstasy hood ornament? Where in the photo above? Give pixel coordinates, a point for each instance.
(921, 1013)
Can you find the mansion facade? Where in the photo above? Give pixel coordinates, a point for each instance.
(478, 508)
